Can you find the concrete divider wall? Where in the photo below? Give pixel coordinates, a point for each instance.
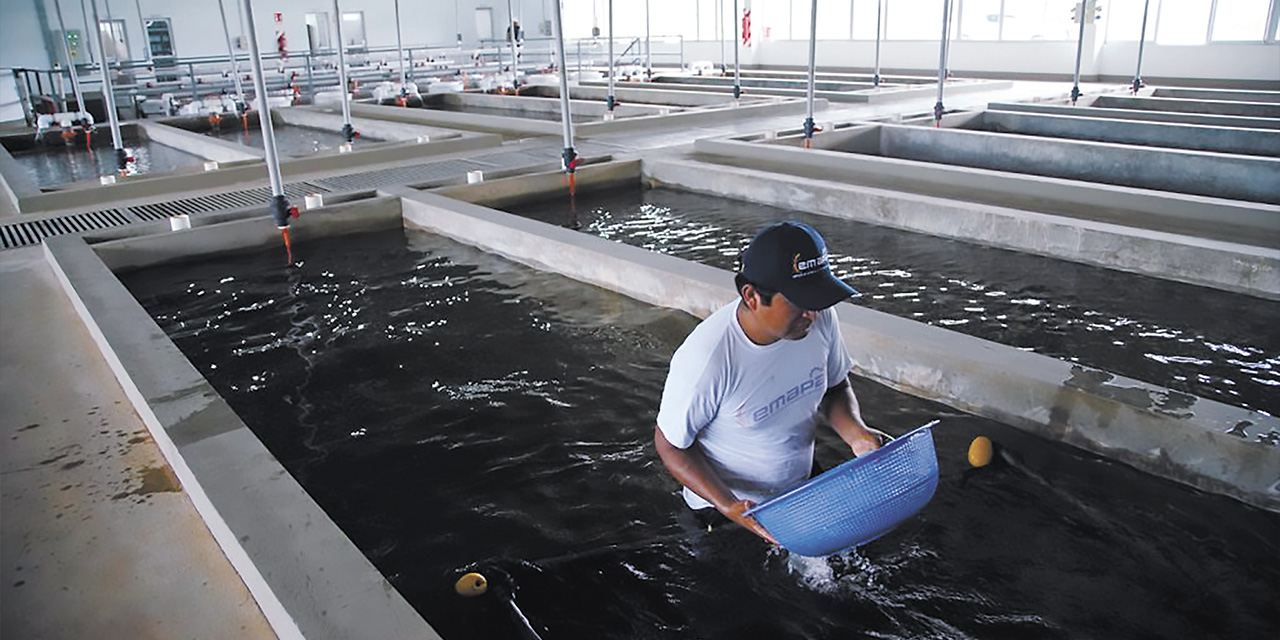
(1232, 267)
(653, 96)
(1215, 175)
(207, 147)
(308, 578)
(1232, 221)
(1159, 431)
(534, 104)
(243, 175)
(1155, 134)
(316, 118)
(16, 182)
(456, 120)
(1216, 94)
(1133, 114)
(545, 185)
(1216, 107)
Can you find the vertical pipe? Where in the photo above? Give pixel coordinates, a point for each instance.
(737, 42)
(511, 22)
(71, 65)
(879, 27)
(570, 156)
(611, 100)
(235, 65)
(280, 204)
(942, 61)
(348, 132)
(1142, 40)
(146, 38)
(720, 31)
(404, 79)
(84, 13)
(1075, 87)
(108, 95)
(648, 50)
(813, 57)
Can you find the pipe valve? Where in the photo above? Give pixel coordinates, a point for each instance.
(282, 211)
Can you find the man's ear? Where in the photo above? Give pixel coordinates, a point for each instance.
(750, 296)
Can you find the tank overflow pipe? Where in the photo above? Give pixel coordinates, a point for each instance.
(1083, 7)
(348, 132)
(813, 58)
(942, 61)
(242, 106)
(281, 211)
(109, 98)
(611, 101)
(737, 43)
(570, 156)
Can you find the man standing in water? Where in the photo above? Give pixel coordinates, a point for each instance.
(750, 384)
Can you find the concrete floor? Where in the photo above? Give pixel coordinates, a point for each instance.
(97, 540)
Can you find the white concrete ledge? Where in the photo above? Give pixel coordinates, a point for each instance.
(1137, 246)
(308, 578)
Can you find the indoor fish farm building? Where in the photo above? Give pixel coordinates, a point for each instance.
(351, 318)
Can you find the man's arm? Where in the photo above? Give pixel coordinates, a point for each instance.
(840, 408)
(691, 468)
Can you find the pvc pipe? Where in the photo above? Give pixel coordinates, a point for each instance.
(1075, 88)
(231, 51)
(737, 41)
(1142, 40)
(942, 60)
(71, 65)
(570, 156)
(264, 114)
(146, 38)
(612, 99)
(348, 132)
(879, 26)
(813, 56)
(511, 21)
(648, 48)
(108, 93)
(404, 79)
(84, 14)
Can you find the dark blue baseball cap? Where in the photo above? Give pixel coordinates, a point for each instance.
(791, 258)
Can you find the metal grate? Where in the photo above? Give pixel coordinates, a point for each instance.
(219, 201)
(22, 234)
(402, 175)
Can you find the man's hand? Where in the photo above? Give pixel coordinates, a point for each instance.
(735, 513)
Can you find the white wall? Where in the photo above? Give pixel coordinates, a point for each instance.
(21, 45)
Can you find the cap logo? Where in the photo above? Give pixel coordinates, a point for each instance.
(801, 268)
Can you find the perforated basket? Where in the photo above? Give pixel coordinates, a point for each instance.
(857, 501)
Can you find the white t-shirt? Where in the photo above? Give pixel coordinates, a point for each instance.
(751, 408)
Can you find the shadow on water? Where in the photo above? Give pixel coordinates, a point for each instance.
(453, 411)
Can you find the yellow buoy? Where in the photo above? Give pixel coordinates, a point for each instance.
(980, 451)
(472, 584)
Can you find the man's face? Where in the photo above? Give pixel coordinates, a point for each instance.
(784, 320)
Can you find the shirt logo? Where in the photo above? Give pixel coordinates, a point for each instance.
(815, 382)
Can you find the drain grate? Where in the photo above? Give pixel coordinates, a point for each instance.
(219, 201)
(401, 175)
(22, 234)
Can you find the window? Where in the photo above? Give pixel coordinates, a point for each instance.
(1039, 20)
(317, 32)
(833, 20)
(353, 30)
(113, 39)
(1240, 20)
(864, 18)
(159, 39)
(1184, 21)
(913, 20)
(980, 19)
(1124, 19)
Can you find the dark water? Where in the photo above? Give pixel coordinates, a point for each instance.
(291, 141)
(1217, 345)
(55, 166)
(453, 411)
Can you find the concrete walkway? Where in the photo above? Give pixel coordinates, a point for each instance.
(97, 540)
